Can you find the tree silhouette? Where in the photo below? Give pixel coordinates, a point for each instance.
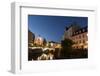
(44, 42)
(66, 48)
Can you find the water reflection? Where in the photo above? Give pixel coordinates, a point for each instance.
(41, 54)
(46, 57)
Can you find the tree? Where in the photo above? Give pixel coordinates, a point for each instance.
(44, 42)
(33, 35)
(66, 48)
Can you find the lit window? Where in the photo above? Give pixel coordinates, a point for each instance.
(87, 34)
(76, 37)
(80, 41)
(80, 36)
(83, 41)
(83, 35)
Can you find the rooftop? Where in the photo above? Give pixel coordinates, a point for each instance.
(81, 30)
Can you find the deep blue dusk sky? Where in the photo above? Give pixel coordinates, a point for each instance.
(52, 27)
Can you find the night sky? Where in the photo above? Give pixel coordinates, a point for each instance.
(52, 27)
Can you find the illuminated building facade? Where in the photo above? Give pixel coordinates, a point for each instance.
(78, 36)
(69, 30)
(38, 41)
(53, 44)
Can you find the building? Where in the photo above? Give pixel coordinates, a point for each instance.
(53, 44)
(38, 41)
(69, 30)
(80, 38)
(31, 38)
(77, 35)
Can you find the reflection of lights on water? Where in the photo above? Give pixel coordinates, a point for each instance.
(46, 53)
(45, 57)
(42, 57)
